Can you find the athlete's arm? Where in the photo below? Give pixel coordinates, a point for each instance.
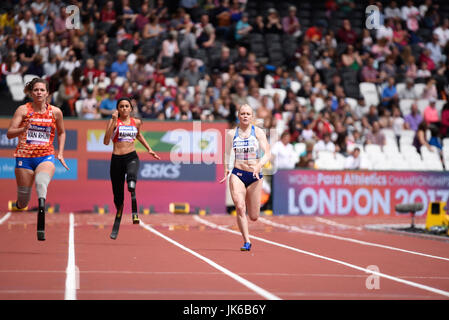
(227, 154)
(61, 135)
(14, 129)
(265, 146)
(142, 140)
(110, 128)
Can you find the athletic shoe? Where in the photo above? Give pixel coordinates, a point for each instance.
(12, 206)
(246, 246)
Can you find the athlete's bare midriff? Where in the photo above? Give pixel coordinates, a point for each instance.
(123, 147)
(246, 165)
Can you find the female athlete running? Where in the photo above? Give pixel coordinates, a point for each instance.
(123, 130)
(34, 123)
(245, 182)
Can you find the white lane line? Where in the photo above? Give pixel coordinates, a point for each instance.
(260, 291)
(380, 274)
(321, 234)
(336, 224)
(5, 217)
(72, 272)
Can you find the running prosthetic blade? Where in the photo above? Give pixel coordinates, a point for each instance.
(134, 208)
(115, 228)
(41, 220)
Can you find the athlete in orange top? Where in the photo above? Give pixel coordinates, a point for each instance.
(34, 123)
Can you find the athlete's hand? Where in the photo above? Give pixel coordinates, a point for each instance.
(114, 115)
(225, 176)
(61, 159)
(154, 154)
(256, 172)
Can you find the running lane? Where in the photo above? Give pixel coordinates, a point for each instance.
(31, 269)
(141, 265)
(299, 275)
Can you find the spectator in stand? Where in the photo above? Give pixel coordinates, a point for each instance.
(89, 106)
(411, 70)
(36, 67)
(389, 94)
(369, 73)
(444, 128)
(410, 14)
(435, 50)
(352, 162)
(243, 29)
(42, 27)
(258, 25)
(376, 136)
(400, 36)
(11, 66)
(420, 137)
(414, 118)
(324, 144)
(425, 57)
(120, 65)
(142, 18)
(236, 11)
(386, 31)
(346, 34)
(170, 52)
(67, 95)
(430, 90)
(290, 23)
(431, 116)
(26, 51)
(223, 19)
(27, 23)
(351, 58)
(207, 37)
(108, 105)
(273, 24)
(392, 11)
(409, 91)
(283, 153)
(152, 30)
(192, 74)
(443, 32)
(315, 33)
(108, 13)
(224, 61)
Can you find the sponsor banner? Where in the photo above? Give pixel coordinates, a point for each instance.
(6, 143)
(157, 170)
(352, 193)
(95, 141)
(7, 166)
(178, 141)
(71, 140)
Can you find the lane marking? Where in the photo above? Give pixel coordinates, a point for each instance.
(5, 217)
(72, 271)
(321, 234)
(380, 274)
(260, 291)
(191, 273)
(336, 224)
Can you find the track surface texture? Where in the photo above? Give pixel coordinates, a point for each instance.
(190, 257)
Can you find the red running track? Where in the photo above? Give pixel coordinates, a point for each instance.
(297, 258)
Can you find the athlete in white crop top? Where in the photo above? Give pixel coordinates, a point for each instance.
(245, 183)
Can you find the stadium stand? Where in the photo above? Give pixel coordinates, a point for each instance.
(304, 76)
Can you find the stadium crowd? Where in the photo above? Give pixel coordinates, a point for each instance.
(200, 59)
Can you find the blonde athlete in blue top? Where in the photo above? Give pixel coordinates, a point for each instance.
(248, 142)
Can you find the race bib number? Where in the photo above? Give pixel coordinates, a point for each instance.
(38, 134)
(127, 133)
